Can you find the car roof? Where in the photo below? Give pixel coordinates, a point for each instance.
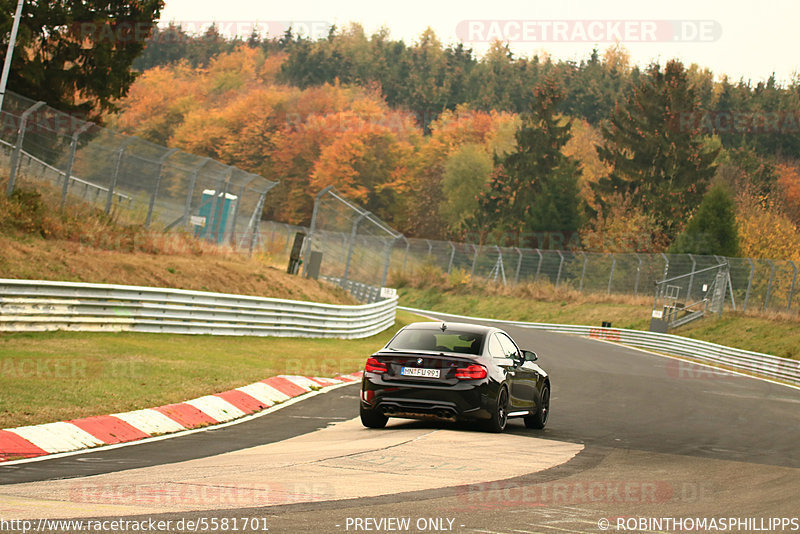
(461, 327)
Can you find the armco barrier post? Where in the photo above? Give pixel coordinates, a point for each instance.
(73, 148)
(12, 173)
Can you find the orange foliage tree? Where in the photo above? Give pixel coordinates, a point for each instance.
(765, 231)
(789, 182)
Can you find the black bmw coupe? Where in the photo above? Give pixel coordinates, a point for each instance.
(454, 371)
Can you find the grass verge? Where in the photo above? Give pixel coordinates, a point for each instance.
(54, 376)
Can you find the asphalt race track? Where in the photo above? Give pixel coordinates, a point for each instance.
(631, 435)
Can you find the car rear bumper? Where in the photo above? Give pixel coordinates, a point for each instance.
(465, 401)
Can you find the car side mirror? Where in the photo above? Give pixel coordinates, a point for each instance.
(529, 356)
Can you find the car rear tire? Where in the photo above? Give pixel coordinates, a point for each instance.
(539, 419)
(372, 418)
(499, 418)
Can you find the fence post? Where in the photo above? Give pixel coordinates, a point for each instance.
(117, 165)
(560, 265)
(769, 284)
(538, 266)
(691, 279)
(187, 210)
(389, 247)
(73, 148)
(519, 265)
(791, 291)
(222, 197)
(23, 122)
(638, 275)
(749, 283)
(611, 278)
(313, 227)
(583, 271)
(430, 247)
(257, 227)
(212, 213)
(474, 261)
(239, 203)
(160, 162)
(452, 257)
(666, 265)
(405, 255)
(352, 243)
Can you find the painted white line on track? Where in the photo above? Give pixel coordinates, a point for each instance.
(245, 419)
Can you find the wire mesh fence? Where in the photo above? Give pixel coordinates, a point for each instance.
(352, 244)
(755, 284)
(132, 179)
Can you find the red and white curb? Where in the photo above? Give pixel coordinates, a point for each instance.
(28, 442)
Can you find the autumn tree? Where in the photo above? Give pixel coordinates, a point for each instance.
(76, 55)
(661, 167)
(466, 171)
(535, 187)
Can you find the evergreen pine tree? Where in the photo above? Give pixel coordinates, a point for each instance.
(656, 159)
(712, 229)
(537, 189)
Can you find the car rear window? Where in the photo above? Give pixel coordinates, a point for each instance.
(450, 341)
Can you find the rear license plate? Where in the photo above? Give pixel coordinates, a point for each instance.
(416, 371)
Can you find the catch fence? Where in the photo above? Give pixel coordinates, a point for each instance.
(755, 284)
(134, 180)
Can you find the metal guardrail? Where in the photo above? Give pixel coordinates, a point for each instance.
(360, 292)
(756, 363)
(37, 305)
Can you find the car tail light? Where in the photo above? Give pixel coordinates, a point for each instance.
(471, 372)
(374, 366)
